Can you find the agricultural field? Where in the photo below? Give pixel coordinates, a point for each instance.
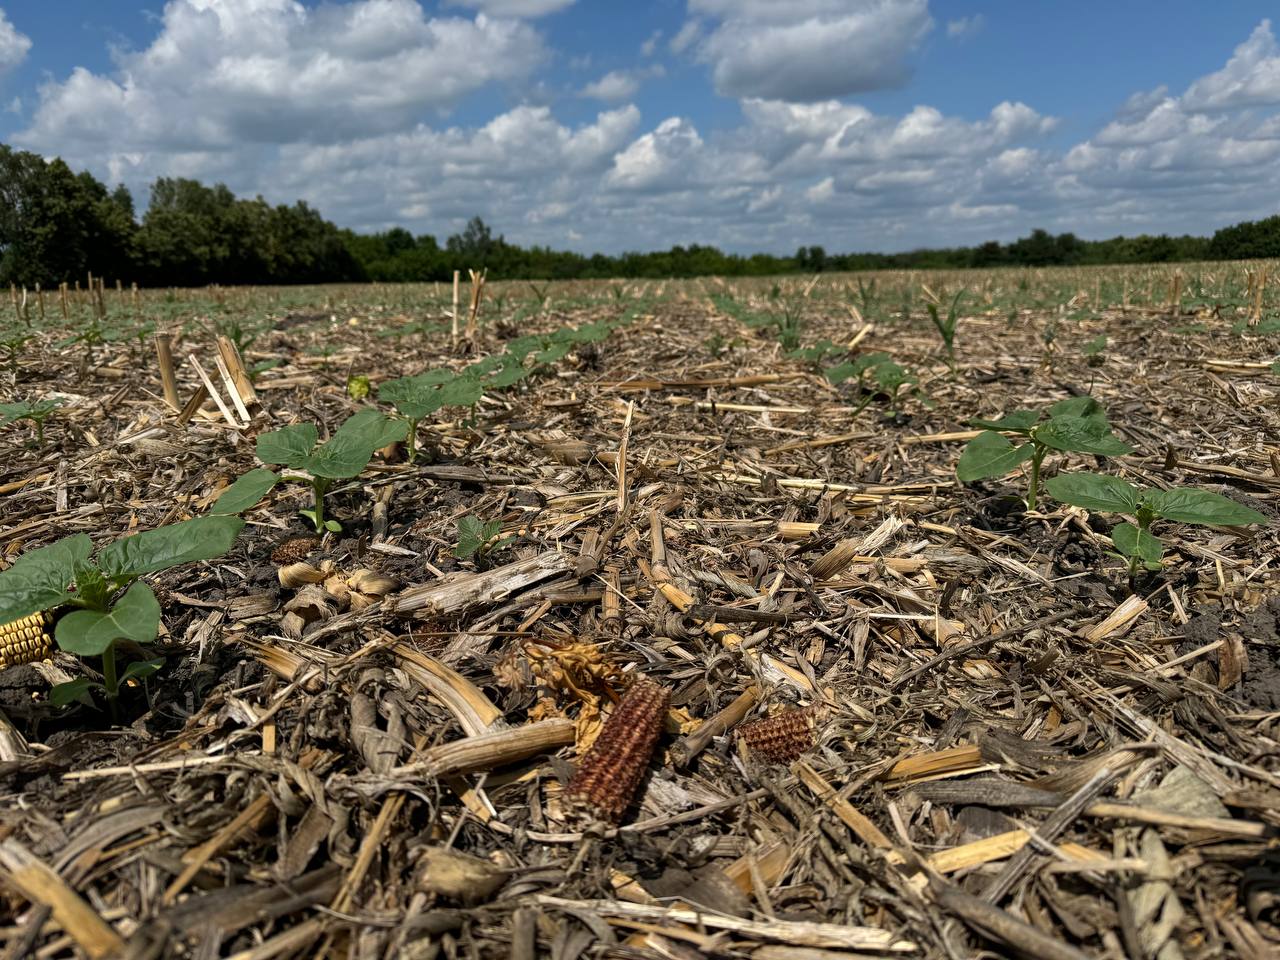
(878, 614)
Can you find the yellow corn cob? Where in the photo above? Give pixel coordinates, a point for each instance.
(25, 640)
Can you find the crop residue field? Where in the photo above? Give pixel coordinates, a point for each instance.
(843, 616)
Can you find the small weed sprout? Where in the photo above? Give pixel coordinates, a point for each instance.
(1075, 425)
(1134, 542)
(479, 539)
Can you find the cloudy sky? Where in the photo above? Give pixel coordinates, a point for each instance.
(604, 125)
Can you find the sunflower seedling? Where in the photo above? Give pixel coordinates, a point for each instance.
(420, 396)
(1094, 350)
(1134, 542)
(888, 378)
(112, 605)
(37, 411)
(341, 457)
(1074, 425)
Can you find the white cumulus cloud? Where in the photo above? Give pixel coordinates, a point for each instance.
(225, 72)
(13, 44)
(810, 49)
(515, 8)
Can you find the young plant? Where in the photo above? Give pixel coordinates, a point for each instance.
(1135, 542)
(478, 539)
(1075, 425)
(342, 456)
(37, 411)
(819, 353)
(1094, 350)
(947, 328)
(418, 397)
(112, 605)
(14, 339)
(888, 377)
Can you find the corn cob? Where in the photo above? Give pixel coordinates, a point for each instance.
(781, 738)
(25, 640)
(612, 769)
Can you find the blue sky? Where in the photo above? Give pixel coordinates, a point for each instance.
(602, 125)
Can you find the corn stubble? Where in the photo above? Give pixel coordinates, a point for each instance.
(610, 772)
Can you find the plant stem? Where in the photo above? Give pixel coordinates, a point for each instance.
(110, 681)
(319, 485)
(1037, 458)
(412, 442)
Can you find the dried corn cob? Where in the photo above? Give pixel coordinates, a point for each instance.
(612, 769)
(25, 640)
(781, 738)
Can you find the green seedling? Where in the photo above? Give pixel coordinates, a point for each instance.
(1134, 542)
(819, 353)
(1094, 349)
(14, 340)
(479, 539)
(37, 411)
(342, 456)
(113, 605)
(416, 398)
(947, 328)
(887, 376)
(1075, 425)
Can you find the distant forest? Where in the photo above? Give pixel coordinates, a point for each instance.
(57, 225)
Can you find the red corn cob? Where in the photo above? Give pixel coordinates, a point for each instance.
(612, 769)
(781, 738)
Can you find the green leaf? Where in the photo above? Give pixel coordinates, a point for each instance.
(203, 538)
(73, 691)
(463, 392)
(889, 375)
(32, 409)
(508, 376)
(1094, 491)
(1081, 435)
(553, 353)
(41, 579)
(349, 450)
(141, 669)
(1078, 407)
(1188, 505)
(416, 397)
(1133, 542)
(246, 492)
(990, 455)
(841, 372)
(88, 633)
(474, 535)
(1018, 421)
(1096, 345)
(290, 446)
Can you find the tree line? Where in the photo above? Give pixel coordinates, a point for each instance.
(57, 225)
